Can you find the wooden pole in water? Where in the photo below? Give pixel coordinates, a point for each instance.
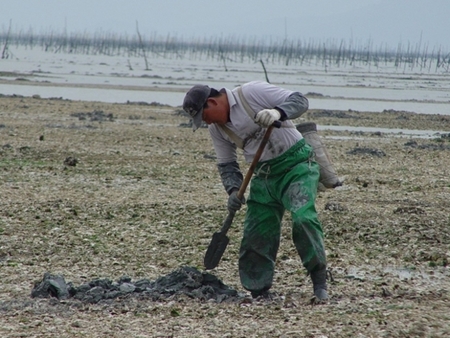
(5, 47)
(141, 44)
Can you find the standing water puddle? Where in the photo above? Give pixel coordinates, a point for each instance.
(436, 276)
(389, 131)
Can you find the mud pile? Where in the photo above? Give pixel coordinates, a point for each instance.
(185, 280)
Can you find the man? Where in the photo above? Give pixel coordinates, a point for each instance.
(286, 176)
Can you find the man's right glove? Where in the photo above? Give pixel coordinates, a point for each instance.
(234, 203)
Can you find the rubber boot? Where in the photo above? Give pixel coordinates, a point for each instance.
(319, 279)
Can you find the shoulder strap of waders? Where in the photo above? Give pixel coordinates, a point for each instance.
(236, 139)
(244, 101)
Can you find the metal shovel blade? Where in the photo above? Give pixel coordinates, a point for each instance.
(215, 250)
(218, 243)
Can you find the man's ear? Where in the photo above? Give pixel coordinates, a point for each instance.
(212, 102)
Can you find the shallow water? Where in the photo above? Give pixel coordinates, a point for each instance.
(389, 131)
(434, 276)
(97, 94)
(175, 98)
(119, 79)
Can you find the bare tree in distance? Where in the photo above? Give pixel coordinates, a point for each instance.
(5, 53)
(141, 44)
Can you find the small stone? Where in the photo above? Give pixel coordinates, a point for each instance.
(127, 287)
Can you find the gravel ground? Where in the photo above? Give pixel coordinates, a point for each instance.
(128, 192)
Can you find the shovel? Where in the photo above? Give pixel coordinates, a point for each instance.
(220, 240)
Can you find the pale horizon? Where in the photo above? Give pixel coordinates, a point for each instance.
(378, 22)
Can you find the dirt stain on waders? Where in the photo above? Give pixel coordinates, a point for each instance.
(297, 196)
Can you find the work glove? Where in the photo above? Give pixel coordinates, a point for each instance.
(234, 203)
(266, 117)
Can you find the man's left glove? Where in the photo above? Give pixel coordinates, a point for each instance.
(266, 117)
(234, 203)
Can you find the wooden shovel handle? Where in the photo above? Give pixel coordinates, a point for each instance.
(229, 220)
(255, 161)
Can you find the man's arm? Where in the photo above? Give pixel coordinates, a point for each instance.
(294, 106)
(231, 176)
(266, 96)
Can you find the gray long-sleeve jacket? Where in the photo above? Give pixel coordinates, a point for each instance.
(259, 95)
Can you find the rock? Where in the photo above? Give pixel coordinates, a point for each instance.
(51, 286)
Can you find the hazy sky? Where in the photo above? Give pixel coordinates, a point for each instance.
(382, 21)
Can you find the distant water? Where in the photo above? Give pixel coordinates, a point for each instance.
(111, 79)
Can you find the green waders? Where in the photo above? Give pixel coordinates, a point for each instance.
(287, 182)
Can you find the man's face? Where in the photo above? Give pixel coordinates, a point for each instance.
(217, 111)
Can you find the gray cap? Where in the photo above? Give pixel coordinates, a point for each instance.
(193, 104)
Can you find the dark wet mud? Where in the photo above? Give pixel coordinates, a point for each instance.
(186, 281)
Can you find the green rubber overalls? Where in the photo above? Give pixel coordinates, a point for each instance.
(287, 182)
